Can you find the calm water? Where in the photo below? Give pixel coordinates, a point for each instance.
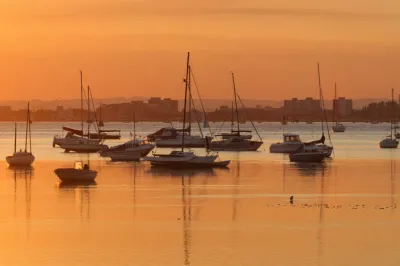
(344, 211)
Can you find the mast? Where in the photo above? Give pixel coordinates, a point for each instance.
(134, 128)
(233, 117)
(26, 129)
(88, 103)
(190, 101)
(81, 101)
(392, 120)
(184, 105)
(15, 137)
(30, 133)
(320, 99)
(237, 111)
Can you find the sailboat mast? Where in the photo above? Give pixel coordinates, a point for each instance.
(237, 111)
(81, 101)
(30, 133)
(190, 102)
(26, 129)
(320, 99)
(15, 137)
(184, 104)
(88, 103)
(134, 128)
(392, 120)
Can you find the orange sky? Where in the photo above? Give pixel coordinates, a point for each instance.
(138, 47)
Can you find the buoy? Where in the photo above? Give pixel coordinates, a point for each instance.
(291, 199)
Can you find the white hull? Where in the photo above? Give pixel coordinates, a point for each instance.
(75, 175)
(83, 148)
(190, 142)
(285, 147)
(20, 159)
(73, 141)
(185, 159)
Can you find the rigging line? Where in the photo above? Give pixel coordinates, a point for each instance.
(195, 113)
(95, 114)
(223, 122)
(198, 93)
(322, 104)
(255, 129)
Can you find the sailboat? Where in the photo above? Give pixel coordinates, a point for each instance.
(235, 141)
(183, 159)
(22, 158)
(132, 150)
(84, 145)
(337, 127)
(205, 122)
(390, 142)
(320, 144)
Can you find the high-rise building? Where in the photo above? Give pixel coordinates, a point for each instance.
(307, 106)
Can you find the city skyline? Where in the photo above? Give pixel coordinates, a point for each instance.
(139, 47)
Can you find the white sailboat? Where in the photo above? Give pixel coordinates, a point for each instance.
(132, 150)
(182, 159)
(337, 127)
(22, 158)
(235, 140)
(390, 142)
(85, 145)
(74, 136)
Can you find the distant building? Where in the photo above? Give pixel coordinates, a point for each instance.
(307, 106)
(344, 107)
(164, 105)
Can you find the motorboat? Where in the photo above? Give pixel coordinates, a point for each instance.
(389, 143)
(22, 158)
(338, 127)
(80, 173)
(83, 146)
(291, 142)
(181, 159)
(170, 137)
(132, 150)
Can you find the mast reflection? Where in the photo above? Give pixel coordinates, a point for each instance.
(187, 217)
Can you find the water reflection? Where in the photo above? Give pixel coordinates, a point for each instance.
(309, 169)
(320, 233)
(24, 174)
(81, 191)
(187, 217)
(169, 172)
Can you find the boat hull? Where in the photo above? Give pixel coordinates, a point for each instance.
(83, 148)
(339, 128)
(176, 143)
(284, 147)
(21, 159)
(58, 141)
(128, 154)
(389, 144)
(243, 145)
(75, 175)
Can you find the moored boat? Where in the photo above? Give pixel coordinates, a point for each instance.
(80, 172)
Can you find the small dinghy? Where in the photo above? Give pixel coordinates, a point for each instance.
(80, 173)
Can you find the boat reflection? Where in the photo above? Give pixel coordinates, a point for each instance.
(187, 217)
(168, 172)
(309, 169)
(76, 184)
(23, 174)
